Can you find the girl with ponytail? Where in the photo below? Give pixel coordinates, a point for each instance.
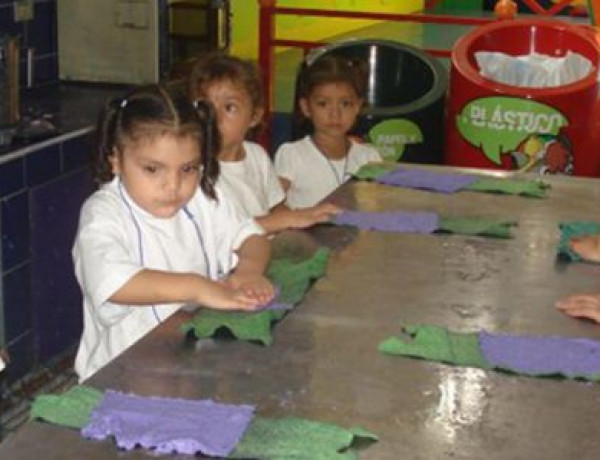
(157, 234)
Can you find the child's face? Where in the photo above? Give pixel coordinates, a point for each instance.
(235, 112)
(161, 173)
(332, 108)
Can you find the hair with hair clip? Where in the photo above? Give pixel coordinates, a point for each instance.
(325, 69)
(218, 67)
(152, 111)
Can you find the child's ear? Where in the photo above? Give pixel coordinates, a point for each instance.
(303, 102)
(257, 116)
(113, 159)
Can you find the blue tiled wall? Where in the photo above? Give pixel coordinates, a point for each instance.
(40, 197)
(39, 33)
(56, 297)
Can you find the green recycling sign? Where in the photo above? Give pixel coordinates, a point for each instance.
(391, 136)
(498, 125)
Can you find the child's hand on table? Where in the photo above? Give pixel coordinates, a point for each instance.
(223, 296)
(588, 247)
(581, 306)
(318, 214)
(253, 286)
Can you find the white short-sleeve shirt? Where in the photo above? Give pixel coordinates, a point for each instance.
(312, 175)
(116, 239)
(252, 182)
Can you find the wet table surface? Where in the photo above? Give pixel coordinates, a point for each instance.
(324, 363)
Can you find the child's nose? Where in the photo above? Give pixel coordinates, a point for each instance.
(221, 114)
(172, 182)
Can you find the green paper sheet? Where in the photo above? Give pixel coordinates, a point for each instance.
(293, 438)
(243, 325)
(574, 229)
(528, 188)
(293, 280)
(283, 438)
(437, 344)
(372, 171)
(476, 226)
(71, 409)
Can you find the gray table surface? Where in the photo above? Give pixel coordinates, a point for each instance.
(324, 362)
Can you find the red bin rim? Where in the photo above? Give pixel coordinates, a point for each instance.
(461, 62)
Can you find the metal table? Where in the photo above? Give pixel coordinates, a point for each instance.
(324, 362)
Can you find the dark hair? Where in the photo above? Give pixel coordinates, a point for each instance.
(325, 69)
(156, 110)
(218, 67)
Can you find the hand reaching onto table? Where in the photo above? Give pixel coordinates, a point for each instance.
(588, 247)
(581, 306)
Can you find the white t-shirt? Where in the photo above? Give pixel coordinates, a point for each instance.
(116, 239)
(313, 176)
(252, 182)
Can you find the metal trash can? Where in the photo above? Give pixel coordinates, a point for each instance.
(499, 126)
(404, 113)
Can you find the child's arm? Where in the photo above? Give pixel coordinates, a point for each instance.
(581, 306)
(150, 287)
(248, 276)
(281, 217)
(588, 247)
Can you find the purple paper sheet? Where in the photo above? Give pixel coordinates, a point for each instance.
(275, 304)
(428, 180)
(542, 355)
(401, 222)
(169, 425)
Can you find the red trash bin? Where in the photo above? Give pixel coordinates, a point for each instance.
(499, 126)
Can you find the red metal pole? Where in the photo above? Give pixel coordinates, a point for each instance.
(420, 17)
(554, 9)
(266, 34)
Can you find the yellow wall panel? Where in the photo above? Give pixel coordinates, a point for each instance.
(245, 20)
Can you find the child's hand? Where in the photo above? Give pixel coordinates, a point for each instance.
(225, 297)
(581, 306)
(255, 287)
(303, 218)
(588, 247)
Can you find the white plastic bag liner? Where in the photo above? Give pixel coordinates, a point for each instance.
(533, 70)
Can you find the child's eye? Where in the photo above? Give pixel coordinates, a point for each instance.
(150, 169)
(230, 107)
(190, 169)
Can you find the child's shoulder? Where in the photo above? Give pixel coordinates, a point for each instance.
(104, 205)
(253, 149)
(291, 147)
(105, 195)
(365, 149)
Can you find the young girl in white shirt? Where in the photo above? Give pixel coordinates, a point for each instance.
(233, 86)
(151, 240)
(330, 97)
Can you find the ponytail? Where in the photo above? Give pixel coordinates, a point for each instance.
(106, 140)
(209, 147)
